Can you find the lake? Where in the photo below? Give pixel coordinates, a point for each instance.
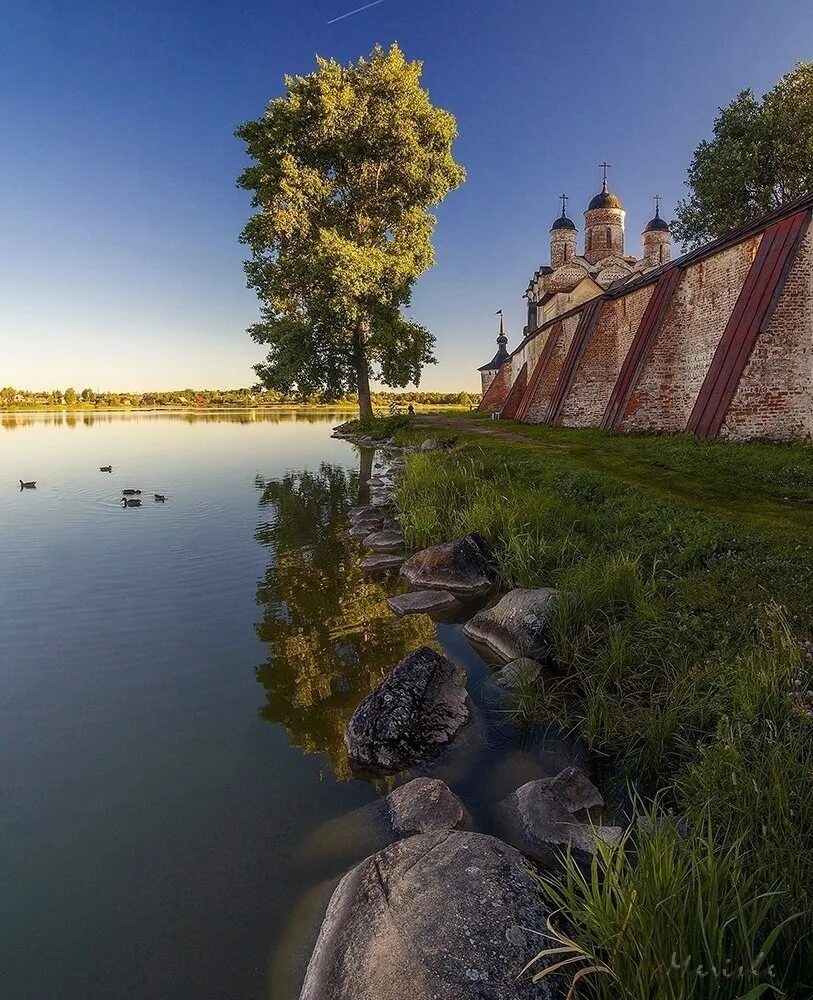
(174, 684)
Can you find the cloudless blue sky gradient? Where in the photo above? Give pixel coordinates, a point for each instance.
(119, 261)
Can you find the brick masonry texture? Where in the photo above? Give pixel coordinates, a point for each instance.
(774, 398)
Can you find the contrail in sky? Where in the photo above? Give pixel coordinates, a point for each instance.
(358, 10)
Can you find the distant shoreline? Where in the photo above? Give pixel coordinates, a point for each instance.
(222, 408)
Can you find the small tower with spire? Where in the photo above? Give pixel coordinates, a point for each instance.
(657, 238)
(604, 224)
(563, 235)
(489, 372)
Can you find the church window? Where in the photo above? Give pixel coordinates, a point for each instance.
(564, 257)
(609, 237)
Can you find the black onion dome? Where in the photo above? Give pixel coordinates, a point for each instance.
(657, 224)
(563, 223)
(605, 199)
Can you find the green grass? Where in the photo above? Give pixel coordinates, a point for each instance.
(685, 573)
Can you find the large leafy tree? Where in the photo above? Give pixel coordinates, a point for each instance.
(760, 156)
(344, 170)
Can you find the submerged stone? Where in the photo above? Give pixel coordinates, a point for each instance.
(382, 561)
(540, 815)
(422, 602)
(463, 566)
(518, 625)
(423, 805)
(438, 916)
(412, 714)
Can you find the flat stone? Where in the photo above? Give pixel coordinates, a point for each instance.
(540, 815)
(359, 513)
(462, 566)
(385, 541)
(382, 561)
(518, 625)
(412, 714)
(423, 805)
(363, 528)
(438, 916)
(379, 481)
(422, 602)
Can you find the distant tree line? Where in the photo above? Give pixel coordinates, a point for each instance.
(11, 398)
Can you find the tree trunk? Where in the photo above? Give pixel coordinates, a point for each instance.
(362, 373)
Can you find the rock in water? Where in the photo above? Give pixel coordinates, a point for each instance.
(422, 602)
(412, 714)
(363, 528)
(438, 916)
(424, 805)
(504, 685)
(430, 444)
(464, 566)
(518, 625)
(541, 814)
(381, 562)
(385, 541)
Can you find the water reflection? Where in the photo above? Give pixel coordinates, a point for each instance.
(13, 420)
(330, 634)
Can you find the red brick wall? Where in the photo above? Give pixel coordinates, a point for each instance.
(691, 330)
(497, 392)
(514, 397)
(603, 357)
(544, 390)
(775, 395)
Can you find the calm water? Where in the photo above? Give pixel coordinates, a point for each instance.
(174, 682)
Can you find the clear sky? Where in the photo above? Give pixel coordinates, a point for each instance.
(119, 261)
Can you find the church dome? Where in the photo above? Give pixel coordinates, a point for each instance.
(605, 199)
(657, 224)
(563, 223)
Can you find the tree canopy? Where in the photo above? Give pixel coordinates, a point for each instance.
(760, 156)
(345, 167)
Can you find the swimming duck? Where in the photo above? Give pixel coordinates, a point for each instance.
(131, 493)
(28, 486)
(130, 503)
(105, 468)
(160, 498)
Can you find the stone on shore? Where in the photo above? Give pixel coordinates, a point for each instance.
(422, 602)
(462, 566)
(381, 561)
(438, 916)
(412, 714)
(504, 684)
(430, 444)
(518, 625)
(541, 814)
(385, 541)
(424, 805)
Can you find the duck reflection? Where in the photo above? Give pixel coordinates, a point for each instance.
(330, 634)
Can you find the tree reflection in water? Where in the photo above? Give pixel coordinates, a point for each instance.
(330, 634)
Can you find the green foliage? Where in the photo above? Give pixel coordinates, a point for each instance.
(684, 572)
(760, 156)
(344, 169)
(659, 916)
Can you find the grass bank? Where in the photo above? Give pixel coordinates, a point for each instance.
(685, 572)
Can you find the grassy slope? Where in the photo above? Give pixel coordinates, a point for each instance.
(685, 572)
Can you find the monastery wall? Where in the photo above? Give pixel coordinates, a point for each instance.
(672, 375)
(603, 357)
(774, 396)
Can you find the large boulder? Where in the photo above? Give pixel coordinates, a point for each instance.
(544, 814)
(438, 916)
(412, 714)
(424, 805)
(518, 625)
(464, 566)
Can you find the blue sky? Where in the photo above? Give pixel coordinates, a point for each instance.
(119, 261)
